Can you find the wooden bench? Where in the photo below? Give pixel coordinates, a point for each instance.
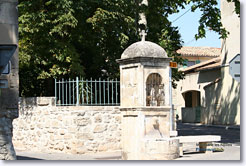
(205, 142)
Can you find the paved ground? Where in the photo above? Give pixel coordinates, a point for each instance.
(24, 155)
(230, 142)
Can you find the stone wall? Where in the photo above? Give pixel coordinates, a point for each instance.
(42, 126)
(9, 95)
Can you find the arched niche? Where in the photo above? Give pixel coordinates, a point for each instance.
(155, 95)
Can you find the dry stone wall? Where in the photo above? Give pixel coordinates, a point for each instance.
(42, 126)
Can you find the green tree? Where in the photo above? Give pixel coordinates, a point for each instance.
(46, 49)
(68, 38)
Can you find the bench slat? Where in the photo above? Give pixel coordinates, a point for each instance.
(200, 138)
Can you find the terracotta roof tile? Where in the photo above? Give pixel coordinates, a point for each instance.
(211, 66)
(200, 51)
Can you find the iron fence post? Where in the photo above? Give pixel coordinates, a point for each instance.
(91, 90)
(82, 91)
(55, 92)
(77, 90)
(62, 91)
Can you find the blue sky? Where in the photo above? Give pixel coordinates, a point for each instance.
(188, 25)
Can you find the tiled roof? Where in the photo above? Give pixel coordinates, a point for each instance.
(209, 64)
(200, 51)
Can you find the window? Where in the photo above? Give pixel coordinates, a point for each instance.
(198, 61)
(190, 63)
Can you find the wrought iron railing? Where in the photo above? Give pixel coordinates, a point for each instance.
(87, 92)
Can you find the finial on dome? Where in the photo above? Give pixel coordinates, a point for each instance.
(143, 34)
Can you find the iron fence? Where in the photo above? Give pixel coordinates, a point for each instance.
(87, 92)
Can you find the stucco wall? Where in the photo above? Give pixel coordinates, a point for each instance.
(193, 82)
(9, 96)
(223, 98)
(221, 109)
(42, 126)
(230, 89)
(190, 83)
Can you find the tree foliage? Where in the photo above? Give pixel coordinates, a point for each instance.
(68, 38)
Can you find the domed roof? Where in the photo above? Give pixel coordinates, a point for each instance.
(144, 49)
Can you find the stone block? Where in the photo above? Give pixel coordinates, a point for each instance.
(81, 150)
(113, 127)
(60, 118)
(50, 130)
(59, 146)
(32, 127)
(68, 136)
(81, 114)
(45, 112)
(59, 137)
(99, 128)
(52, 138)
(82, 121)
(43, 101)
(38, 133)
(40, 126)
(3, 142)
(55, 124)
(3, 150)
(118, 119)
(68, 121)
(6, 38)
(62, 132)
(47, 124)
(72, 129)
(107, 147)
(107, 118)
(98, 119)
(85, 136)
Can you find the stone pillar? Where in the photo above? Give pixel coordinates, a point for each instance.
(145, 107)
(9, 96)
(146, 135)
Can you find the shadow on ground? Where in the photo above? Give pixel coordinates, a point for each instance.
(26, 158)
(109, 158)
(227, 135)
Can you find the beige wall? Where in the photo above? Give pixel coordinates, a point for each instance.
(190, 83)
(195, 58)
(193, 82)
(223, 98)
